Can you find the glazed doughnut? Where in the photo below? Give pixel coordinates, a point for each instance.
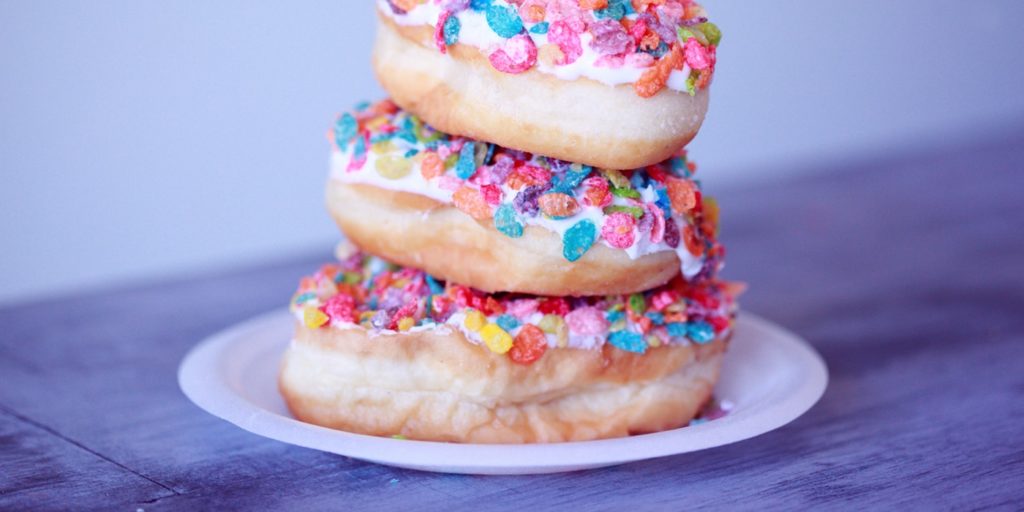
(506, 221)
(609, 87)
(386, 351)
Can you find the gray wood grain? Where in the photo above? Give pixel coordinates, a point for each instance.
(906, 273)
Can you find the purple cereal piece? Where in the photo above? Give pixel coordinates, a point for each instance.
(610, 37)
(646, 223)
(502, 168)
(665, 32)
(671, 233)
(526, 200)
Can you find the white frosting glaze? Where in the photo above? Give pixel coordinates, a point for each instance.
(474, 31)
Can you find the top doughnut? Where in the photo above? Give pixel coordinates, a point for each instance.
(611, 83)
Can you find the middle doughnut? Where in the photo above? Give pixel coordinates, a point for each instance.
(502, 220)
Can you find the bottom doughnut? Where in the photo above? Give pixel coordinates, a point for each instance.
(437, 386)
(384, 350)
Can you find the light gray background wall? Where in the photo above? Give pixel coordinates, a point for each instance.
(140, 139)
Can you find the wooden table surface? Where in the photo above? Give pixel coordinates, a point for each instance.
(906, 273)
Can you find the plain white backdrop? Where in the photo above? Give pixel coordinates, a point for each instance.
(143, 139)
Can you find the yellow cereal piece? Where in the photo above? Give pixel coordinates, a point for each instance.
(376, 122)
(618, 179)
(653, 341)
(496, 338)
(475, 320)
(550, 323)
(383, 147)
(406, 323)
(562, 335)
(393, 167)
(676, 307)
(711, 211)
(314, 318)
(365, 317)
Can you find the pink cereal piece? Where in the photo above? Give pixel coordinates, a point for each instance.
(639, 60)
(662, 299)
(443, 151)
(439, 31)
(522, 308)
(449, 183)
(567, 40)
(587, 321)
(696, 55)
(568, 12)
(671, 12)
(341, 308)
(355, 164)
(492, 194)
(517, 55)
(618, 230)
(482, 176)
(658, 227)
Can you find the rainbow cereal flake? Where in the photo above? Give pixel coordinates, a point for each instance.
(643, 42)
(642, 211)
(367, 292)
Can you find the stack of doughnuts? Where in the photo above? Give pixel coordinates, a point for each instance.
(529, 257)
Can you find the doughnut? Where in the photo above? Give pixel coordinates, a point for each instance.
(502, 220)
(607, 83)
(390, 351)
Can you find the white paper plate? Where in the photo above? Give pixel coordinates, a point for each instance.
(770, 376)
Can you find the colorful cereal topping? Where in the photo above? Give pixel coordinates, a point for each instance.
(365, 291)
(657, 208)
(649, 40)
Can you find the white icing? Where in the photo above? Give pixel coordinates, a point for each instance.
(475, 32)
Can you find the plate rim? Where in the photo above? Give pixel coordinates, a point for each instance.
(203, 381)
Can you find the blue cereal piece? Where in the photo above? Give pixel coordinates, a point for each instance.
(360, 148)
(658, 51)
(489, 154)
(451, 29)
(677, 329)
(507, 322)
(480, 5)
(663, 201)
(578, 239)
(700, 332)
(504, 20)
(506, 221)
(435, 287)
(628, 341)
(616, 10)
(656, 318)
(639, 180)
(571, 179)
(466, 166)
(344, 130)
(614, 316)
(540, 28)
